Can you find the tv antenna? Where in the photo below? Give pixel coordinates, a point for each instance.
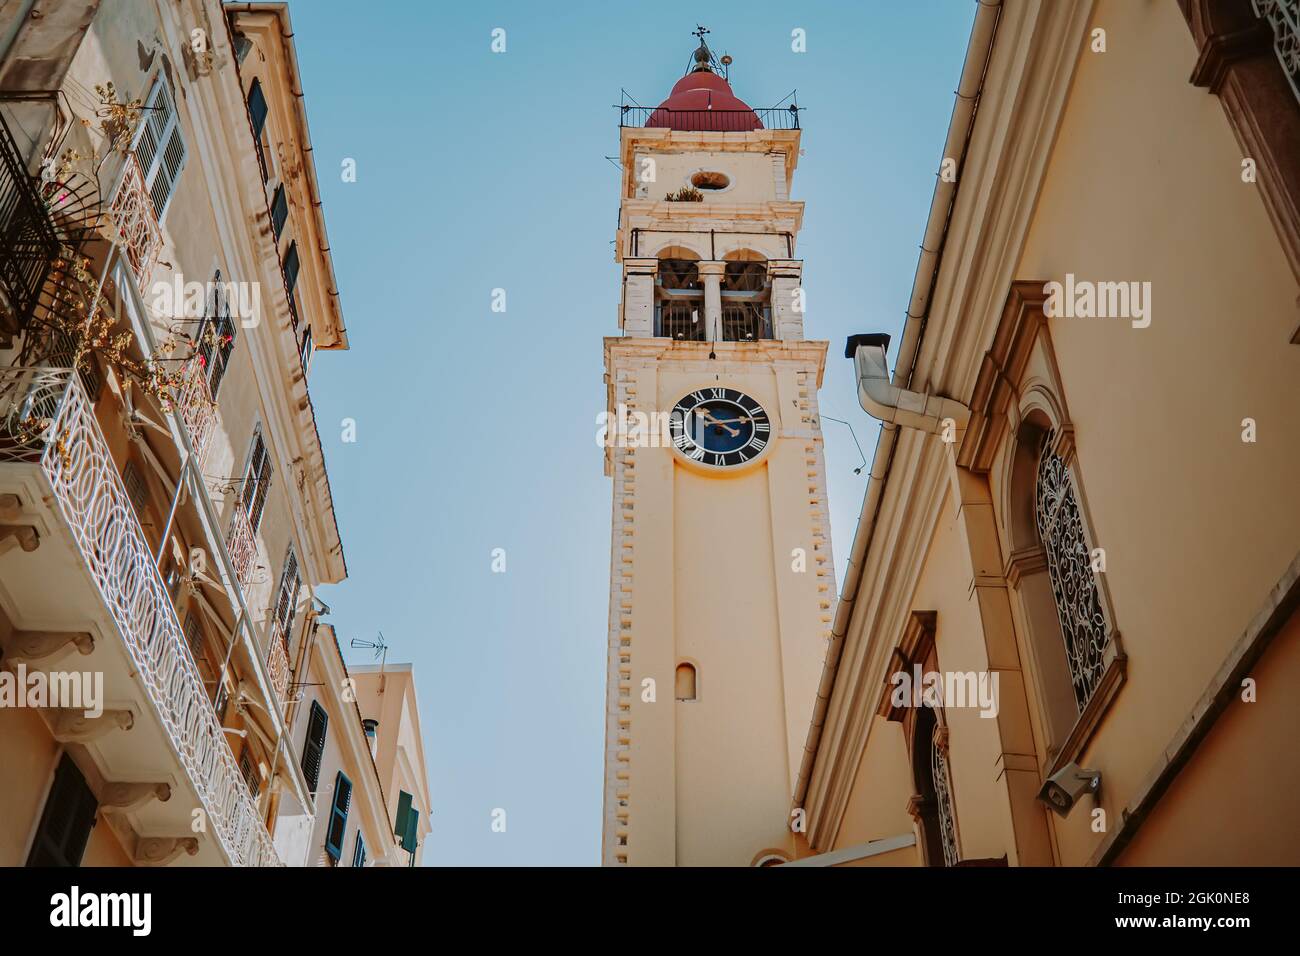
(380, 647)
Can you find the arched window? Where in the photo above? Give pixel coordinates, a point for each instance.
(1070, 570)
(746, 298)
(679, 296)
(932, 807)
(685, 685)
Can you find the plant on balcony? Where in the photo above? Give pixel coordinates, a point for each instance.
(685, 194)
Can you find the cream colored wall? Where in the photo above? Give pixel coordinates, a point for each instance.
(751, 175)
(1197, 525)
(1234, 803)
(882, 785)
(28, 755)
(710, 780)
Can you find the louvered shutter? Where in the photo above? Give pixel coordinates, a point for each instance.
(407, 819)
(257, 481)
(160, 147)
(287, 601)
(66, 821)
(216, 355)
(314, 749)
(338, 816)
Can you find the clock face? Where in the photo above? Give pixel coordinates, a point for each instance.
(720, 427)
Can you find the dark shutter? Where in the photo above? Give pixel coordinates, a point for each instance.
(257, 107)
(67, 820)
(257, 481)
(216, 353)
(407, 820)
(279, 210)
(291, 267)
(314, 749)
(338, 816)
(359, 851)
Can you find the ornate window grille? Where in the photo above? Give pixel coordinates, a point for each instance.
(943, 795)
(1283, 18)
(1069, 567)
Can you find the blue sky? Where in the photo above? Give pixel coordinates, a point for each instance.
(476, 429)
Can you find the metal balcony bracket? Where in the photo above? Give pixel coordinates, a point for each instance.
(71, 725)
(125, 797)
(27, 646)
(22, 535)
(159, 851)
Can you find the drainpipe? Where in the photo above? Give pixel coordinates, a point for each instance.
(960, 127)
(892, 403)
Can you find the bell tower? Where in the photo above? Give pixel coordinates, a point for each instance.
(721, 581)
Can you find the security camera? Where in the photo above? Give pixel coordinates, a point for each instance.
(1064, 788)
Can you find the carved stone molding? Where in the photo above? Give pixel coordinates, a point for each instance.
(994, 399)
(23, 535)
(124, 797)
(1237, 64)
(11, 508)
(159, 851)
(1023, 563)
(26, 646)
(71, 725)
(918, 807)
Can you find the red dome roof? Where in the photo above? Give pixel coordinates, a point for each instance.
(703, 101)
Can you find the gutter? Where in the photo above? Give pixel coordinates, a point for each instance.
(960, 128)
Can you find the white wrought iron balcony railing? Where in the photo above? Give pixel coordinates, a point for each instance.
(1283, 18)
(45, 420)
(277, 658)
(132, 215)
(241, 542)
(196, 408)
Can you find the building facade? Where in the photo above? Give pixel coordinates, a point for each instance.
(721, 581)
(385, 695)
(1070, 506)
(167, 518)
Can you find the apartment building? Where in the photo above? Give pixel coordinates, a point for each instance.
(391, 715)
(165, 512)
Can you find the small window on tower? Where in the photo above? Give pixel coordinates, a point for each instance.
(686, 682)
(707, 179)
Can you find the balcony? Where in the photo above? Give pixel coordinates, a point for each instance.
(683, 320)
(28, 244)
(85, 577)
(241, 542)
(197, 409)
(132, 215)
(277, 656)
(713, 121)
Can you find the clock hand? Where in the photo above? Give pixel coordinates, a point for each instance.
(710, 420)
